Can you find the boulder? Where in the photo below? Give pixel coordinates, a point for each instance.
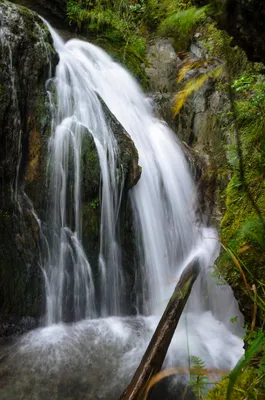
(26, 61)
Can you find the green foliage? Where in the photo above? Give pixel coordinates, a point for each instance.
(218, 44)
(241, 229)
(138, 8)
(199, 381)
(193, 84)
(258, 336)
(256, 346)
(181, 25)
(154, 13)
(253, 230)
(243, 83)
(183, 20)
(246, 380)
(115, 27)
(244, 389)
(250, 89)
(94, 204)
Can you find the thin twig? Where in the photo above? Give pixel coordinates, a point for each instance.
(255, 308)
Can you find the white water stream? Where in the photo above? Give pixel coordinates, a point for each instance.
(107, 350)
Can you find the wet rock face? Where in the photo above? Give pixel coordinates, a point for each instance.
(197, 120)
(162, 68)
(128, 155)
(56, 7)
(245, 21)
(128, 174)
(26, 60)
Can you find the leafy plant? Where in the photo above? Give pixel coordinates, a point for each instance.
(138, 7)
(253, 230)
(94, 204)
(257, 345)
(192, 84)
(181, 24)
(199, 379)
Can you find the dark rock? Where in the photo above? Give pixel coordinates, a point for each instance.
(26, 59)
(14, 327)
(244, 20)
(56, 7)
(54, 12)
(128, 155)
(128, 172)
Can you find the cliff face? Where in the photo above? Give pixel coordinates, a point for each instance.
(206, 127)
(56, 7)
(26, 60)
(245, 21)
(197, 125)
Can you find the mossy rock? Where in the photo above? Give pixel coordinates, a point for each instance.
(26, 59)
(248, 251)
(243, 388)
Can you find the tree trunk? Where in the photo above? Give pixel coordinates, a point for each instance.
(155, 354)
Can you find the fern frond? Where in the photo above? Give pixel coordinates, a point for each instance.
(193, 85)
(253, 230)
(199, 379)
(182, 20)
(186, 67)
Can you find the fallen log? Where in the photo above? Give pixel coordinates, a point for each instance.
(155, 354)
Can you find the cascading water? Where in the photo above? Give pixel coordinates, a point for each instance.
(164, 200)
(107, 350)
(78, 113)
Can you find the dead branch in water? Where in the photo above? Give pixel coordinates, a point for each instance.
(155, 354)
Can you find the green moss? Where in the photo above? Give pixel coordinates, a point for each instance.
(132, 56)
(29, 21)
(18, 295)
(94, 204)
(91, 231)
(90, 170)
(245, 387)
(241, 230)
(181, 23)
(236, 235)
(115, 27)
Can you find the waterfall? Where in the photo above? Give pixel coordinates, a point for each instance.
(164, 201)
(77, 113)
(102, 349)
